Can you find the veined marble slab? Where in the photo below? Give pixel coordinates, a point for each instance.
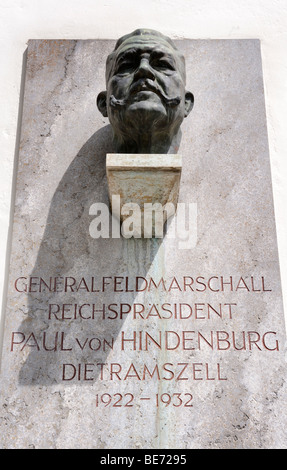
(144, 343)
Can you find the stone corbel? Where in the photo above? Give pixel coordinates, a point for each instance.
(146, 183)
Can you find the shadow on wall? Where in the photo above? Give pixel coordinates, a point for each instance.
(55, 335)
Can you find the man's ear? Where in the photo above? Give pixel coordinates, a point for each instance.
(102, 103)
(189, 101)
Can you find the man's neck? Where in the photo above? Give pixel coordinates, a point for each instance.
(157, 143)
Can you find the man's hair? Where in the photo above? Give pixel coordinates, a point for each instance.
(143, 32)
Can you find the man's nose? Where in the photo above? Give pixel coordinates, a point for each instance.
(144, 70)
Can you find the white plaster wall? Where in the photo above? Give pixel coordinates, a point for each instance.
(21, 20)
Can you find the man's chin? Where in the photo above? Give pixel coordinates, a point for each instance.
(146, 112)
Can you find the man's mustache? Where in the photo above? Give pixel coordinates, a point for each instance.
(145, 85)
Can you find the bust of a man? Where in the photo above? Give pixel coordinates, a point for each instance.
(146, 100)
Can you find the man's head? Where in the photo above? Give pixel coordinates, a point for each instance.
(146, 100)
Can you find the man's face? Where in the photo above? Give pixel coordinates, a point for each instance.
(146, 84)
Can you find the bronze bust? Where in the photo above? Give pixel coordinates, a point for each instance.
(146, 100)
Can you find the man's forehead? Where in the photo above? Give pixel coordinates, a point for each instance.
(146, 43)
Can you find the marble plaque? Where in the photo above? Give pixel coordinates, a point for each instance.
(124, 343)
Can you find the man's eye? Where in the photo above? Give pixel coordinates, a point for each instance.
(162, 65)
(125, 67)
